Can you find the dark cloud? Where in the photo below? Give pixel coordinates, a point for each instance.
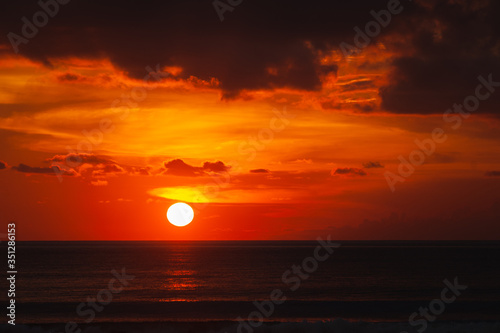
(349, 171)
(259, 45)
(111, 168)
(358, 106)
(3, 165)
(55, 170)
(178, 167)
(444, 45)
(28, 169)
(215, 167)
(454, 42)
(101, 165)
(370, 165)
(259, 171)
(72, 159)
(102, 170)
(69, 77)
(492, 174)
(90, 166)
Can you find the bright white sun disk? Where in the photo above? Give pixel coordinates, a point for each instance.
(180, 214)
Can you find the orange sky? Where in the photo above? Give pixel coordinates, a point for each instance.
(277, 162)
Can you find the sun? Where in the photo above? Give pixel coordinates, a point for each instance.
(180, 214)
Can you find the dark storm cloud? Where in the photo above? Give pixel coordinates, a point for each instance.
(274, 44)
(492, 174)
(453, 44)
(260, 45)
(3, 165)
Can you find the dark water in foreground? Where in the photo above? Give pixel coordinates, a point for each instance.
(378, 282)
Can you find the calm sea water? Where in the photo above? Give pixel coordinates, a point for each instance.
(207, 281)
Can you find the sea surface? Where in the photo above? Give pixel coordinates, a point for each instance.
(196, 283)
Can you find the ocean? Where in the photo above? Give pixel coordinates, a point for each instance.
(246, 286)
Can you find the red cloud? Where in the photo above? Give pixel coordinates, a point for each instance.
(178, 167)
(349, 171)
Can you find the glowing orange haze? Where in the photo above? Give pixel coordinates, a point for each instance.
(279, 150)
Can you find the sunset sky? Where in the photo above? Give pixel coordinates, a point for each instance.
(112, 112)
